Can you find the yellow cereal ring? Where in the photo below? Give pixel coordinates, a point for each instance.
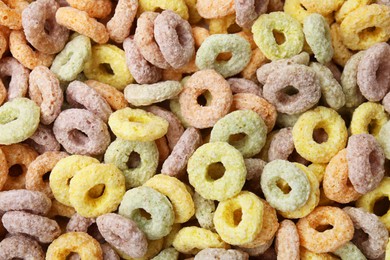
(322, 7)
(348, 7)
(239, 220)
(221, 25)
(334, 126)
(296, 9)
(176, 191)
(356, 28)
(368, 118)
(154, 247)
(369, 200)
(318, 169)
(341, 54)
(63, 172)
(108, 65)
(74, 242)
(191, 240)
(194, 16)
(178, 6)
(137, 125)
(108, 178)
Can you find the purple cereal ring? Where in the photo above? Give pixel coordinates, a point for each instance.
(241, 85)
(37, 19)
(17, 87)
(20, 247)
(79, 223)
(221, 253)
(81, 132)
(46, 92)
(373, 76)
(277, 91)
(43, 140)
(43, 229)
(254, 168)
(142, 71)
(109, 253)
(25, 200)
(386, 102)
(174, 37)
(120, 24)
(247, 11)
(366, 161)
(123, 234)
(80, 95)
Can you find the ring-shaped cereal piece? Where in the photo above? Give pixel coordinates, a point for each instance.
(297, 10)
(21, 246)
(90, 205)
(248, 11)
(232, 181)
(113, 96)
(20, 200)
(78, 223)
(221, 25)
(263, 29)
(79, 242)
(215, 9)
(178, 7)
(18, 86)
(10, 17)
(296, 179)
(341, 54)
(63, 172)
(383, 138)
(120, 24)
(242, 85)
(70, 61)
(43, 140)
(287, 241)
(176, 191)
(79, 21)
(329, 240)
(155, 204)
(204, 211)
(94, 8)
(349, 251)
(245, 122)
(368, 118)
(154, 247)
(206, 56)
(137, 125)
(121, 152)
(333, 125)
(257, 60)
(373, 75)
(322, 8)
(60, 210)
(220, 253)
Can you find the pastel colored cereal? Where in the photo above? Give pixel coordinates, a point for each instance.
(21, 246)
(120, 24)
(20, 200)
(368, 118)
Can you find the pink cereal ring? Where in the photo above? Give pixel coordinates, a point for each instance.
(247, 11)
(43, 140)
(113, 96)
(241, 85)
(79, 223)
(21, 247)
(120, 24)
(287, 241)
(10, 67)
(26, 200)
(46, 92)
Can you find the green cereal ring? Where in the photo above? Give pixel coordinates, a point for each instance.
(349, 251)
(284, 120)
(384, 139)
(283, 23)
(204, 211)
(280, 170)
(233, 179)
(174, 105)
(206, 56)
(19, 118)
(167, 254)
(70, 61)
(317, 34)
(154, 203)
(332, 92)
(122, 152)
(245, 122)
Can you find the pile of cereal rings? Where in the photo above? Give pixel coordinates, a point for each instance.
(194, 129)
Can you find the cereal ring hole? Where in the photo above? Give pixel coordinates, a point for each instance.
(234, 28)
(289, 91)
(280, 38)
(320, 135)
(46, 176)
(6, 80)
(145, 214)
(96, 191)
(204, 98)
(370, 33)
(372, 126)
(381, 206)
(224, 56)
(72, 256)
(16, 170)
(237, 216)
(106, 67)
(238, 138)
(78, 137)
(134, 160)
(216, 170)
(283, 186)
(323, 228)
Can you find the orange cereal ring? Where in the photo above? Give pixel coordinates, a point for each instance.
(3, 169)
(163, 149)
(200, 34)
(287, 241)
(94, 8)
(10, 17)
(215, 9)
(80, 22)
(257, 60)
(60, 210)
(113, 96)
(120, 24)
(341, 53)
(3, 43)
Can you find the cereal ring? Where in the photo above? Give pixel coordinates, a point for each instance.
(206, 56)
(37, 170)
(96, 9)
(113, 96)
(123, 234)
(263, 29)
(329, 240)
(70, 61)
(348, 7)
(240, 85)
(322, 8)
(341, 53)
(222, 25)
(309, 255)
(285, 120)
(245, 122)
(248, 11)
(124, 155)
(163, 150)
(349, 251)
(282, 146)
(176, 192)
(78, 223)
(233, 179)
(142, 71)
(331, 123)
(108, 65)
(287, 241)
(373, 75)
(168, 253)
(10, 16)
(386, 103)
(302, 80)
(368, 118)
(81, 132)
(257, 60)
(354, 27)
(154, 247)
(215, 9)
(109, 252)
(173, 36)
(21, 246)
(204, 211)
(79, 21)
(178, 7)
(383, 138)
(377, 233)
(60, 210)
(78, 242)
(263, 250)
(41, 228)
(219, 253)
(120, 24)
(18, 85)
(157, 207)
(317, 35)
(199, 83)
(296, 179)
(297, 10)
(336, 183)
(239, 220)
(191, 240)
(43, 140)
(80, 95)
(45, 91)
(24, 200)
(93, 205)
(137, 125)
(147, 94)
(63, 172)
